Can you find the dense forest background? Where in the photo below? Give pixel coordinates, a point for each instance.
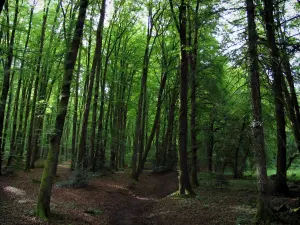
(193, 85)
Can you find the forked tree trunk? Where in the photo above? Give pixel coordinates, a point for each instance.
(43, 202)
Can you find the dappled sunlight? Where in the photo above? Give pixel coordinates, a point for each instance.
(14, 191)
(115, 186)
(26, 200)
(243, 209)
(142, 198)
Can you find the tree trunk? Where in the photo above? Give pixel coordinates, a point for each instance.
(184, 179)
(74, 126)
(29, 153)
(210, 143)
(193, 62)
(154, 127)
(43, 203)
(97, 81)
(237, 149)
(263, 206)
(139, 128)
(16, 131)
(280, 183)
(6, 79)
(82, 151)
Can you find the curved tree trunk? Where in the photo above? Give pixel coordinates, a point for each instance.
(43, 202)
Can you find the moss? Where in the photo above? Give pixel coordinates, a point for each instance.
(43, 204)
(263, 215)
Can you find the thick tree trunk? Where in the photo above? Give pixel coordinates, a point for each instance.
(263, 206)
(43, 203)
(193, 62)
(280, 184)
(184, 179)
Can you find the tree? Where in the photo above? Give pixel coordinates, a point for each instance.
(263, 206)
(6, 79)
(281, 185)
(184, 179)
(43, 202)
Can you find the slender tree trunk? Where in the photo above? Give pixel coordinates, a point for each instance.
(193, 62)
(43, 203)
(74, 126)
(29, 153)
(210, 143)
(170, 159)
(15, 131)
(82, 151)
(6, 79)
(97, 84)
(263, 206)
(237, 150)
(154, 127)
(140, 118)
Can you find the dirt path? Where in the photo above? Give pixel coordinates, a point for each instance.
(116, 199)
(137, 202)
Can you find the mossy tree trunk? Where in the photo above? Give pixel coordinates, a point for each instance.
(43, 203)
(193, 62)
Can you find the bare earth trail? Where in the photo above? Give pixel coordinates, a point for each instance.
(114, 199)
(136, 205)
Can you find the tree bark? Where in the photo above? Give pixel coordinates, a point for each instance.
(82, 151)
(184, 179)
(97, 84)
(43, 203)
(280, 183)
(6, 79)
(263, 206)
(35, 94)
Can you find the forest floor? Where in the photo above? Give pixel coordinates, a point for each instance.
(116, 200)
